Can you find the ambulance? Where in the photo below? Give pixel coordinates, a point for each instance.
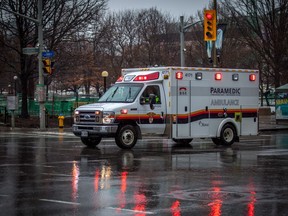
(180, 103)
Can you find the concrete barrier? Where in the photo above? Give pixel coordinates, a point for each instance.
(264, 111)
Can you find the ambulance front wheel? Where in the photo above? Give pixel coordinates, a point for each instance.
(126, 137)
(228, 135)
(91, 141)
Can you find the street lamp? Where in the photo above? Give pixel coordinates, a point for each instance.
(15, 85)
(104, 74)
(9, 89)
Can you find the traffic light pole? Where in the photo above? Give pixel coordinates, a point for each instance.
(182, 40)
(214, 42)
(40, 87)
(41, 97)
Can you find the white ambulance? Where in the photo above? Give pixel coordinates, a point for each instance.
(181, 103)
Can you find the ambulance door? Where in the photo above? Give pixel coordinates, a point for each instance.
(183, 108)
(152, 119)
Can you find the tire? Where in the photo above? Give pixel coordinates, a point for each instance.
(216, 141)
(126, 137)
(228, 135)
(91, 141)
(182, 141)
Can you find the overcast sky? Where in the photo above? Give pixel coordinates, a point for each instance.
(175, 7)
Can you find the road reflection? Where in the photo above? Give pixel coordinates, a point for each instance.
(252, 200)
(216, 202)
(141, 197)
(175, 208)
(75, 180)
(52, 174)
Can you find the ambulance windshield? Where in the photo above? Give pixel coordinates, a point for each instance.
(124, 93)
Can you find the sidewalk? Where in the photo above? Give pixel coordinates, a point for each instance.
(266, 123)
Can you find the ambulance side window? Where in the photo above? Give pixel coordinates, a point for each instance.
(151, 90)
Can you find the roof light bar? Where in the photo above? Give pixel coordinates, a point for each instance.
(147, 77)
(120, 79)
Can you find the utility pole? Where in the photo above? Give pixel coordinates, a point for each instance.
(40, 86)
(182, 56)
(182, 40)
(214, 42)
(41, 91)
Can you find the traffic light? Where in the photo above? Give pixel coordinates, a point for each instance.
(47, 66)
(210, 27)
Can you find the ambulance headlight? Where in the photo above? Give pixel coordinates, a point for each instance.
(108, 117)
(76, 116)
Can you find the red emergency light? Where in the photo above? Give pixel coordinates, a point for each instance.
(179, 75)
(218, 76)
(120, 79)
(252, 77)
(124, 111)
(147, 77)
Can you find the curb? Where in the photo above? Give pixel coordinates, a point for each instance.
(273, 129)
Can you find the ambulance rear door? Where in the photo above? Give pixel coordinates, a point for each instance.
(183, 109)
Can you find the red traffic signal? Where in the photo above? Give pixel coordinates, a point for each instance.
(209, 16)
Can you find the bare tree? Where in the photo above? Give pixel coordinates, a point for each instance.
(61, 19)
(263, 25)
(133, 38)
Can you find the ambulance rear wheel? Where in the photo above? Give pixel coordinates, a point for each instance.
(91, 141)
(228, 135)
(182, 141)
(126, 137)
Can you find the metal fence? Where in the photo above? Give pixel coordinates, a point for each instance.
(55, 106)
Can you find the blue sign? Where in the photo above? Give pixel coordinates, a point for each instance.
(48, 54)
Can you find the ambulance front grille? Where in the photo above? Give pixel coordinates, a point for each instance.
(90, 117)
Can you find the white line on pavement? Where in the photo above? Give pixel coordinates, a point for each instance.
(59, 201)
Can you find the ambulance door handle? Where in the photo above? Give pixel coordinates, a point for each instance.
(133, 109)
(206, 108)
(186, 109)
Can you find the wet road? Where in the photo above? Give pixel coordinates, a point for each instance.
(55, 175)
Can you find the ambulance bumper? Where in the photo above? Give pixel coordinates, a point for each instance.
(95, 130)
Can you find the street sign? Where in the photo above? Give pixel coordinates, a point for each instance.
(48, 54)
(12, 103)
(30, 50)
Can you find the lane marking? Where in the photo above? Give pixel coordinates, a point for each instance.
(59, 201)
(130, 210)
